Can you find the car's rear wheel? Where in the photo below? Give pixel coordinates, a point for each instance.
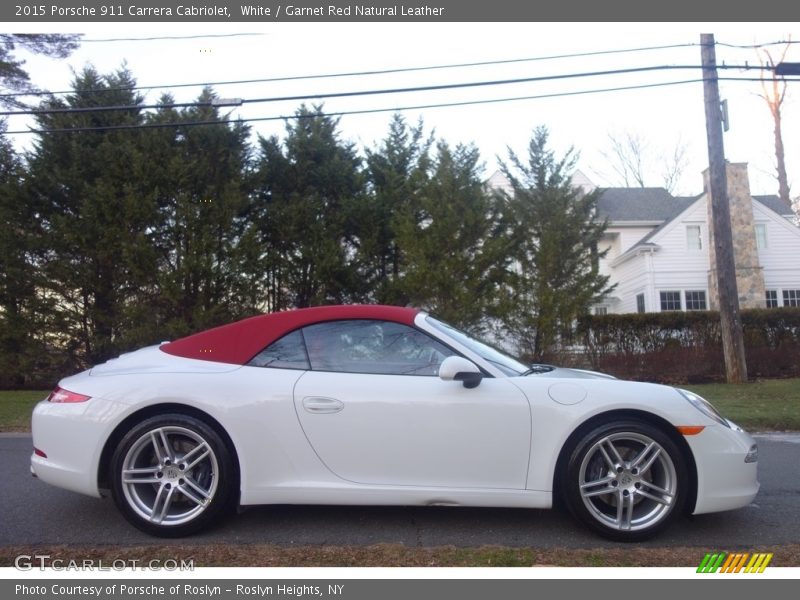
(626, 480)
(172, 475)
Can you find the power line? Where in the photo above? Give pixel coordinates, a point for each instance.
(756, 46)
(371, 72)
(172, 37)
(369, 111)
(366, 73)
(593, 53)
(414, 89)
(87, 109)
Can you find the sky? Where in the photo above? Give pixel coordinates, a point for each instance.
(664, 117)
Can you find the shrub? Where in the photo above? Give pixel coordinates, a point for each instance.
(686, 347)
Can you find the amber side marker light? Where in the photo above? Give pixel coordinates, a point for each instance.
(690, 429)
(62, 395)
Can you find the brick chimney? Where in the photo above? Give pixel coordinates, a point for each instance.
(749, 272)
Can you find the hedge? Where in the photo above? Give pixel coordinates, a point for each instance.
(686, 347)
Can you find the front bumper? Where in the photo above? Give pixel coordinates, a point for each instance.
(724, 480)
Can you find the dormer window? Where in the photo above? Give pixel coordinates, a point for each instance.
(694, 237)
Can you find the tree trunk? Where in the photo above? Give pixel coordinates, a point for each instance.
(783, 181)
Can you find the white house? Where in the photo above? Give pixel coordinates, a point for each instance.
(658, 247)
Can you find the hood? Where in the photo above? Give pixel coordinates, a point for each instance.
(564, 373)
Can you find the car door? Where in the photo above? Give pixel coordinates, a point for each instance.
(375, 412)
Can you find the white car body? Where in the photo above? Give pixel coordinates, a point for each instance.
(315, 437)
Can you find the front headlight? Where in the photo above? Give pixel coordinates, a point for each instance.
(704, 406)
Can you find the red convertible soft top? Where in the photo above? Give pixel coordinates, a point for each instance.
(238, 342)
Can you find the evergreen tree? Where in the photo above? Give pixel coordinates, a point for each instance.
(453, 241)
(21, 355)
(267, 239)
(555, 233)
(309, 186)
(13, 76)
(90, 193)
(396, 172)
(197, 176)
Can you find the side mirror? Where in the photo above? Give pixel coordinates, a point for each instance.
(457, 368)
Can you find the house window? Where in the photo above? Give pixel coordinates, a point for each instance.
(694, 237)
(670, 301)
(761, 235)
(791, 297)
(601, 310)
(639, 303)
(696, 300)
(772, 299)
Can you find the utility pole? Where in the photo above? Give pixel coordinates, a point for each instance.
(730, 318)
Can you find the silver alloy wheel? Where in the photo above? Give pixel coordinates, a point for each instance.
(170, 475)
(628, 481)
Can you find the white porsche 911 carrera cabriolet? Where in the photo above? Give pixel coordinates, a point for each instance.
(380, 405)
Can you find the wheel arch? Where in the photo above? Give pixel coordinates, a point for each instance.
(615, 415)
(152, 410)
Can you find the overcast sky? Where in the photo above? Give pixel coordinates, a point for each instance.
(664, 116)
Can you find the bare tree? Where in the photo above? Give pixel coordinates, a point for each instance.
(626, 157)
(674, 165)
(774, 93)
(633, 159)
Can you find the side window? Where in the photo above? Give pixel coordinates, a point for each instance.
(761, 235)
(640, 303)
(289, 352)
(670, 301)
(377, 347)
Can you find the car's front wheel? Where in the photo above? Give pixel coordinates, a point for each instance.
(172, 475)
(626, 480)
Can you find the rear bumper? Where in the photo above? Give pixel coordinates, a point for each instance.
(724, 480)
(72, 437)
(61, 475)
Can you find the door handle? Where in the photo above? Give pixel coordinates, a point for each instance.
(319, 405)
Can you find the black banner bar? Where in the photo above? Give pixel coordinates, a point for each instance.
(707, 586)
(270, 11)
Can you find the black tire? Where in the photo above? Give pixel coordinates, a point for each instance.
(626, 480)
(187, 475)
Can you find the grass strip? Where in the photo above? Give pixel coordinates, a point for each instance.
(391, 555)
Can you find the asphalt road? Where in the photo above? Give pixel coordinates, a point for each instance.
(34, 513)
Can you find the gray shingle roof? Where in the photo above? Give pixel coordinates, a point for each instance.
(640, 204)
(656, 204)
(775, 203)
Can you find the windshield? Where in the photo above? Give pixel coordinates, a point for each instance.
(507, 364)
